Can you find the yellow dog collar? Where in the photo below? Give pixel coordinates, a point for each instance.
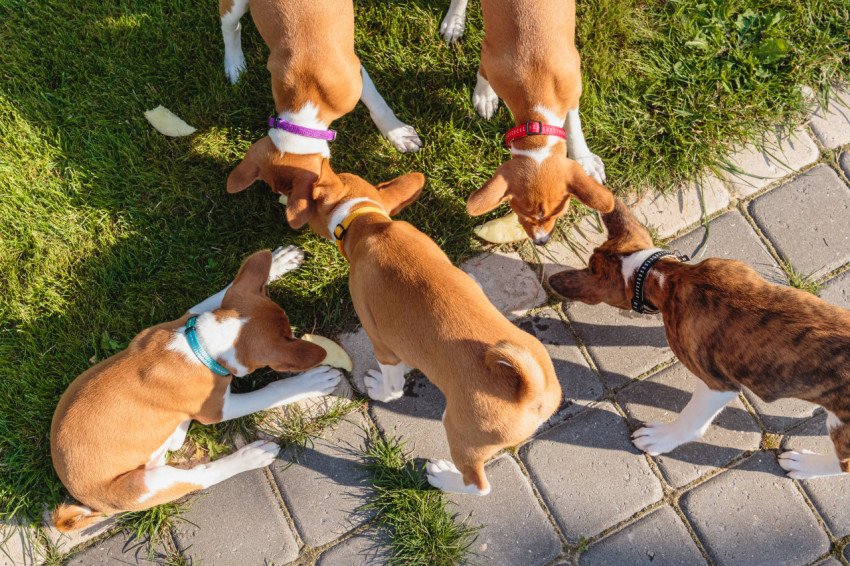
(342, 227)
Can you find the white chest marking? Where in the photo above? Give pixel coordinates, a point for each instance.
(540, 154)
(218, 339)
(308, 117)
(341, 212)
(632, 262)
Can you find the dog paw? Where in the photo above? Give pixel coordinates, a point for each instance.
(381, 389)
(485, 100)
(658, 438)
(593, 166)
(806, 464)
(404, 138)
(452, 26)
(318, 381)
(258, 454)
(443, 475)
(284, 260)
(233, 66)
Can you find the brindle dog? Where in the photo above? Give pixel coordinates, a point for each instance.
(730, 327)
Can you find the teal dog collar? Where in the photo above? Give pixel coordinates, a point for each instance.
(205, 358)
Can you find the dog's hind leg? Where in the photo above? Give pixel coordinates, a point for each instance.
(806, 464)
(231, 30)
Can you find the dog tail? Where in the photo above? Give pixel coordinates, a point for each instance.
(510, 359)
(73, 517)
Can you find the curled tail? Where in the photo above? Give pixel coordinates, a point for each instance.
(73, 517)
(507, 358)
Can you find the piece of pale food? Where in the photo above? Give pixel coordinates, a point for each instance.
(283, 200)
(502, 230)
(336, 356)
(165, 122)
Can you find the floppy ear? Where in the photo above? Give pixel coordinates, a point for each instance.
(295, 354)
(302, 200)
(493, 193)
(576, 285)
(254, 273)
(251, 166)
(587, 189)
(400, 192)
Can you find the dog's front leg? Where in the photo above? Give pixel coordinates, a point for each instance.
(657, 438)
(453, 24)
(284, 260)
(806, 464)
(577, 149)
(313, 383)
(403, 137)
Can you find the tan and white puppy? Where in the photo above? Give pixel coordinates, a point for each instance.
(116, 422)
(529, 60)
(420, 311)
(316, 78)
(731, 328)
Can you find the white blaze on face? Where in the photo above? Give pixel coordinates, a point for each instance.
(287, 142)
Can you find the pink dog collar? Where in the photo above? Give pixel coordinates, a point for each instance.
(533, 129)
(280, 124)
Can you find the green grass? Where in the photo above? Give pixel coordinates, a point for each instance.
(107, 227)
(152, 523)
(423, 530)
(803, 281)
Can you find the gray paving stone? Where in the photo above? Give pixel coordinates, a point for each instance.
(65, 542)
(782, 414)
(669, 214)
(237, 522)
(806, 220)
(662, 397)
(830, 494)
(781, 155)
(829, 562)
(575, 249)
(589, 474)
(844, 163)
(623, 344)
(19, 544)
(832, 127)
(323, 489)
(368, 548)
(578, 382)
(731, 237)
(122, 548)
(415, 418)
(847, 552)
(509, 283)
(659, 539)
(837, 291)
(516, 530)
(753, 514)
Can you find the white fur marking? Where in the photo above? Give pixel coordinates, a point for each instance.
(540, 154)
(806, 464)
(577, 147)
(832, 421)
(402, 136)
(632, 262)
(308, 117)
(231, 31)
(312, 383)
(342, 211)
(484, 98)
(443, 475)
(388, 384)
(451, 28)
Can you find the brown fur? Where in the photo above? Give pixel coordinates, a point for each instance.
(728, 325)
(114, 416)
(529, 57)
(308, 62)
(419, 309)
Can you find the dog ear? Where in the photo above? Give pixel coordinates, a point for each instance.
(576, 285)
(400, 192)
(302, 200)
(587, 189)
(250, 168)
(493, 193)
(295, 354)
(254, 273)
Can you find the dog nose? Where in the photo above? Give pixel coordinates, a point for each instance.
(541, 240)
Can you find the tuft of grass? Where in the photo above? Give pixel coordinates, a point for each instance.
(800, 280)
(423, 530)
(770, 441)
(582, 545)
(152, 524)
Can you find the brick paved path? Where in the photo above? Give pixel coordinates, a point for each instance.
(579, 492)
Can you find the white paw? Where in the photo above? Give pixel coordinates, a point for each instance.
(658, 438)
(233, 66)
(404, 138)
(593, 166)
(443, 475)
(381, 389)
(284, 260)
(451, 28)
(806, 464)
(486, 103)
(317, 381)
(258, 454)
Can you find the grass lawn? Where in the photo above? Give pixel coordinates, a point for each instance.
(107, 227)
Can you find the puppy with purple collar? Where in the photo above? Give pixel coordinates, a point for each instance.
(730, 328)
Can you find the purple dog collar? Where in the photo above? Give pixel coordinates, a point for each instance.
(280, 124)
